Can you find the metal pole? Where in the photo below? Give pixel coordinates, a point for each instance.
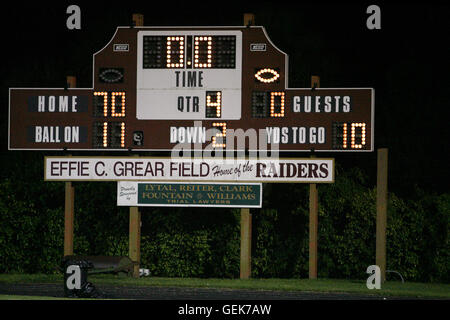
(382, 198)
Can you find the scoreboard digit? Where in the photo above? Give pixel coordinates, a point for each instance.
(187, 75)
(107, 105)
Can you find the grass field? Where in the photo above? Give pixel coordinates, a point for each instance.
(391, 288)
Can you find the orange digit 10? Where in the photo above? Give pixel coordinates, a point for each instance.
(357, 131)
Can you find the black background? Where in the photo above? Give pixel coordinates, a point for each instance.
(407, 62)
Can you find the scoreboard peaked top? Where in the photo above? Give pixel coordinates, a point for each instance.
(194, 88)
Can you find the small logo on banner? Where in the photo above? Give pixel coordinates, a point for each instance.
(258, 47)
(121, 47)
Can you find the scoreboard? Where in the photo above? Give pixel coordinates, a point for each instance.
(156, 88)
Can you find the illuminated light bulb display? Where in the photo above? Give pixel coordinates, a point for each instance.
(105, 134)
(277, 104)
(358, 135)
(199, 52)
(103, 101)
(202, 52)
(213, 104)
(118, 101)
(344, 135)
(109, 134)
(206, 85)
(343, 138)
(267, 75)
(268, 104)
(175, 52)
(122, 134)
(222, 135)
(101, 104)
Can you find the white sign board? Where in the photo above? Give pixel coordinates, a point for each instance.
(304, 170)
(190, 194)
(181, 88)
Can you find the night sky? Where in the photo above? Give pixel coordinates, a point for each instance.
(407, 62)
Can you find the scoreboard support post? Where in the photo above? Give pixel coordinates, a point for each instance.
(313, 227)
(138, 19)
(382, 198)
(68, 218)
(246, 217)
(249, 19)
(135, 239)
(246, 243)
(69, 203)
(313, 212)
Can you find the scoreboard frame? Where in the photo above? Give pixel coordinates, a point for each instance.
(121, 46)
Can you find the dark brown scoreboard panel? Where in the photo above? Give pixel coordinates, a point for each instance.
(157, 88)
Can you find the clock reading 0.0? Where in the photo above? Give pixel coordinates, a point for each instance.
(168, 52)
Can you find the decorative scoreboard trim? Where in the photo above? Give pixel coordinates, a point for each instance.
(215, 91)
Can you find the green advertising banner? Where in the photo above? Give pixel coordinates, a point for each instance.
(132, 193)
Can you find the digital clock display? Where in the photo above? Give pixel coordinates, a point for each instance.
(190, 51)
(189, 74)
